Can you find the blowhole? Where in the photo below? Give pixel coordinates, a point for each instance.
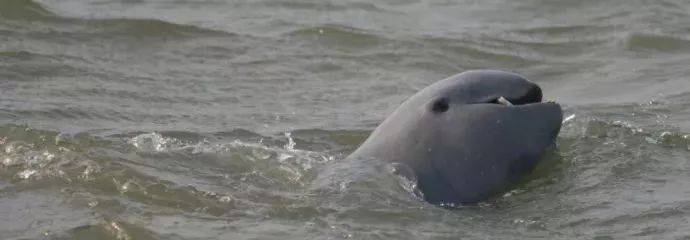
(440, 105)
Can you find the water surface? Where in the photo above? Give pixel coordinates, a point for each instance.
(210, 119)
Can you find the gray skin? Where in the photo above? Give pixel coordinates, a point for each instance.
(462, 145)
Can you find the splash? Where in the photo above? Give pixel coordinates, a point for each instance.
(267, 161)
(290, 146)
(569, 118)
(154, 142)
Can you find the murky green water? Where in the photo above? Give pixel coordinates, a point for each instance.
(152, 119)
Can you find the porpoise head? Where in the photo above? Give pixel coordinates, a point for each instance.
(468, 137)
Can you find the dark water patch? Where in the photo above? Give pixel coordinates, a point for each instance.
(88, 29)
(23, 10)
(115, 230)
(5, 34)
(22, 56)
(37, 71)
(32, 215)
(30, 66)
(19, 55)
(642, 42)
(565, 31)
(148, 28)
(123, 181)
(392, 217)
(26, 10)
(65, 114)
(334, 140)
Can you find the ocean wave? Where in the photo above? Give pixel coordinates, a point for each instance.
(211, 174)
(478, 51)
(322, 6)
(30, 11)
(564, 30)
(23, 10)
(643, 42)
(338, 36)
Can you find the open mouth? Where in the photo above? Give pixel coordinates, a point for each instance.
(533, 95)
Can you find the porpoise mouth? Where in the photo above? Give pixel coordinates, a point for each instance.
(533, 95)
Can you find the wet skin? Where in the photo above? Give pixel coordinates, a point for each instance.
(467, 137)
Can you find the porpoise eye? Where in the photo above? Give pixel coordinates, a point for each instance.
(440, 105)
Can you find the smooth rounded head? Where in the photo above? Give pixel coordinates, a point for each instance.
(469, 136)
